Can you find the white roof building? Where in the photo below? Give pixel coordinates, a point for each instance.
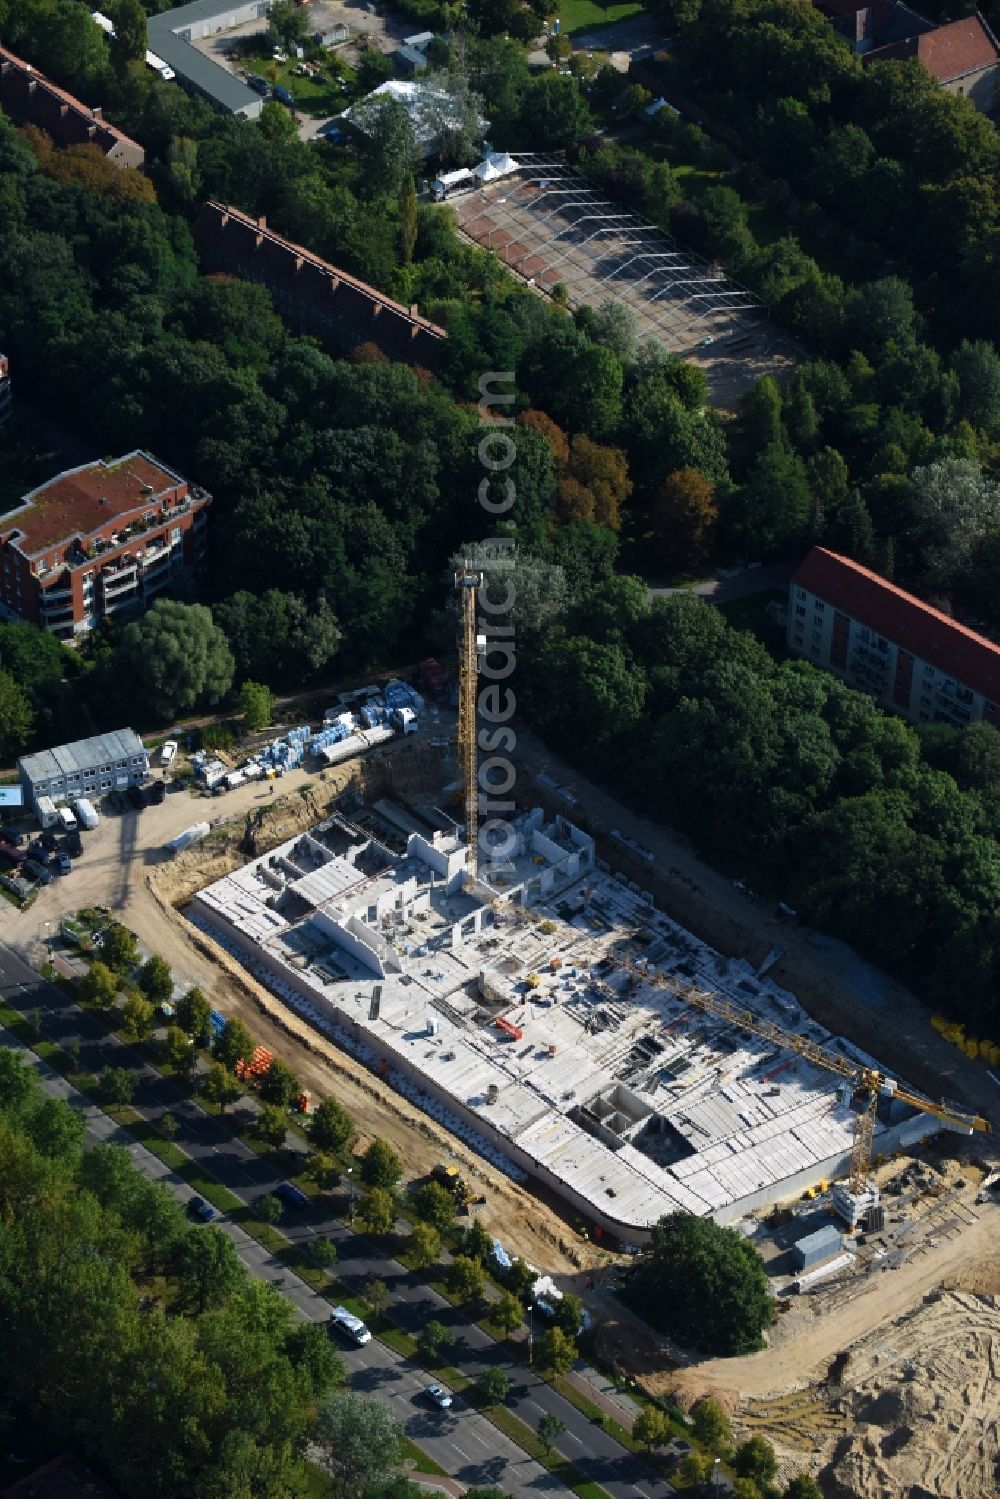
(429, 106)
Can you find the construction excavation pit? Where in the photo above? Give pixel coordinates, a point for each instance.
(547, 1014)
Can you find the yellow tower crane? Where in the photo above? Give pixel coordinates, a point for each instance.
(471, 646)
(868, 1082)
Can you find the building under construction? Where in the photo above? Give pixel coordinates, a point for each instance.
(543, 1013)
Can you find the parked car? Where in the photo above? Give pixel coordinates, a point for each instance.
(49, 841)
(439, 1395)
(291, 1196)
(74, 845)
(116, 801)
(155, 792)
(62, 862)
(36, 871)
(259, 85)
(18, 839)
(168, 751)
(284, 97)
(200, 1209)
(38, 852)
(136, 797)
(331, 131)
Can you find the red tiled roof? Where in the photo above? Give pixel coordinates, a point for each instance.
(903, 619)
(64, 117)
(956, 49)
(80, 500)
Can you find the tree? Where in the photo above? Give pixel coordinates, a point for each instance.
(128, 45)
(194, 1015)
(270, 1208)
(362, 1442)
(434, 1341)
(375, 1295)
(381, 1166)
(279, 1085)
(550, 1429)
(694, 1469)
(119, 948)
(710, 1427)
(323, 1170)
(536, 589)
(168, 1126)
(408, 221)
(17, 719)
(233, 1044)
(556, 1351)
(322, 1252)
(803, 1486)
(329, 1125)
(174, 659)
(477, 1241)
(99, 986)
(58, 1130)
(554, 110)
(376, 1212)
(278, 636)
(703, 1285)
(386, 146)
(755, 1459)
(745, 1488)
(880, 313)
(435, 1205)
(506, 1312)
(221, 1088)
(613, 325)
(155, 980)
(271, 1126)
(289, 22)
(651, 1427)
(953, 506)
(520, 1277)
(423, 1248)
(775, 502)
(118, 1085)
(208, 1268)
(494, 1386)
(256, 705)
(178, 1052)
(683, 516)
(138, 1017)
(466, 1278)
(760, 414)
(977, 366)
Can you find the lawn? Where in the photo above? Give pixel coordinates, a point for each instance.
(583, 15)
(311, 98)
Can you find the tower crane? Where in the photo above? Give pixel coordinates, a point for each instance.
(868, 1082)
(472, 645)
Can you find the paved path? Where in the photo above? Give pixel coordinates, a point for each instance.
(468, 1446)
(744, 583)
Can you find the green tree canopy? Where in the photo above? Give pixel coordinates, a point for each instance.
(174, 659)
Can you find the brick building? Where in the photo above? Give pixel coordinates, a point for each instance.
(31, 99)
(312, 295)
(912, 659)
(99, 541)
(963, 56)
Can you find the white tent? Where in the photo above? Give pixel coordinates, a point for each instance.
(497, 164)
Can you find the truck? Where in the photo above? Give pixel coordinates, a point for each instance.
(405, 720)
(193, 834)
(86, 813)
(352, 1327)
(433, 678)
(67, 822)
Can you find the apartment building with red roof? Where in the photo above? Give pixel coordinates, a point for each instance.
(32, 99)
(312, 295)
(962, 55)
(99, 541)
(911, 658)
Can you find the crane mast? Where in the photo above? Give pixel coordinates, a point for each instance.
(471, 646)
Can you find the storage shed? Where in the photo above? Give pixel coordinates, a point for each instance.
(815, 1248)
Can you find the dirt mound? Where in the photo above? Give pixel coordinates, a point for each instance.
(922, 1410)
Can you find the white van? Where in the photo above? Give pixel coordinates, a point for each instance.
(351, 1326)
(86, 813)
(67, 821)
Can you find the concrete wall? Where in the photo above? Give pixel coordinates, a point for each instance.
(980, 88)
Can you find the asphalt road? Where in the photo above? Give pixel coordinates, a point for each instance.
(463, 1442)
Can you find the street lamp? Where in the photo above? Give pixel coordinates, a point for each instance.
(350, 1188)
(715, 1475)
(531, 1333)
(46, 926)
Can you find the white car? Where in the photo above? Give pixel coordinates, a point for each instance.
(439, 1395)
(168, 751)
(279, 56)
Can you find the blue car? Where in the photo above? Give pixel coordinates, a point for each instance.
(200, 1209)
(291, 1196)
(283, 96)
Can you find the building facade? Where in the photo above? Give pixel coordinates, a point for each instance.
(912, 659)
(962, 55)
(6, 393)
(312, 295)
(29, 98)
(100, 541)
(88, 767)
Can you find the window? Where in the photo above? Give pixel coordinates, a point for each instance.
(800, 609)
(800, 593)
(928, 671)
(815, 650)
(817, 634)
(819, 605)
(817, 619)
(864, 634)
